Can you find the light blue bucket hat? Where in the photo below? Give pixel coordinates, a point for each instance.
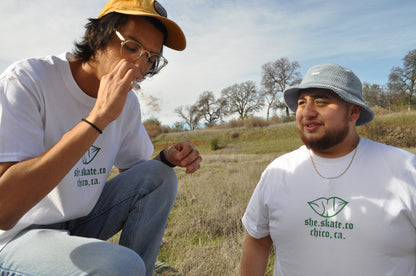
(336, 78)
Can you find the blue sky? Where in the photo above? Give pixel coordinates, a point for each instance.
(229, 41)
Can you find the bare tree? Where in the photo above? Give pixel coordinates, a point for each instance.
(178, 126)
(376, 95)
(151, 103)
(243, 98)
(402, 80)
(190, 114)
(409, 74)
(396, 86)
(210, 108)
(371, 93)
(277, 76)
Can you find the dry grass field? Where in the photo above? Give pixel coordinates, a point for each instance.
(204, 235)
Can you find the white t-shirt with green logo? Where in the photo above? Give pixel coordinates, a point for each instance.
(362, 223)
(39, 102)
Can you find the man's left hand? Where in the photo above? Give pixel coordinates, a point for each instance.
(183, 154)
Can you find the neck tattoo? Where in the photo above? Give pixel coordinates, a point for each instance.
(338, 176)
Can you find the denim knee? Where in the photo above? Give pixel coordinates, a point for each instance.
(119, 260)
(127, 262)
(166, 177)
(170, 183)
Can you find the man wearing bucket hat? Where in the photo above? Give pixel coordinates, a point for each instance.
(341, 204)
(65, 121)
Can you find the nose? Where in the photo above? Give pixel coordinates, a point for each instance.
(308, 109)
(142, 63)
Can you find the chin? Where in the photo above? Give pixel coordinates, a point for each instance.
(323, 143)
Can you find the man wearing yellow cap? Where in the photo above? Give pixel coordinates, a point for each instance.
(65, 121)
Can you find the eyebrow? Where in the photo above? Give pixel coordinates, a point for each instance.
(129, 37)
(136, 40)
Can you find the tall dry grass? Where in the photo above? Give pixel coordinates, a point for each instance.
(397, 129)
(204, 235)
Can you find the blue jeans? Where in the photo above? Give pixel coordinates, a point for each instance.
(138, 202)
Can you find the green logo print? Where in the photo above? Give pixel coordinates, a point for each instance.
(328, 207)
(90, 155)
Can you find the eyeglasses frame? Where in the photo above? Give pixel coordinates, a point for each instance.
(149, 54)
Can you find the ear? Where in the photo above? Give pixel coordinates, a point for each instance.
(355, 112)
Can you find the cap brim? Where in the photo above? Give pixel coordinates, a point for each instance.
(176, 38)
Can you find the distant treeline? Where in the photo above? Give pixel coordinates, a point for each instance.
(245, 99)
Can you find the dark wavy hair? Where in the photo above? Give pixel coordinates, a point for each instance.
(99, 31)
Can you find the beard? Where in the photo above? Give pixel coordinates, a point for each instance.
(329, 139)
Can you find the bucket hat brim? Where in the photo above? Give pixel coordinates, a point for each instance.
(340, 80)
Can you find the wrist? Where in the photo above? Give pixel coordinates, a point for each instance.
(99, 120)
(92, 125)
(164, 159)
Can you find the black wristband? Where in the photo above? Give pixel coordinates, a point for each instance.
(164, 160)
(91, 124)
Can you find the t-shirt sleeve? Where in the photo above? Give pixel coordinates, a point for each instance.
(256, 218)
(136, 145)
(21, 123)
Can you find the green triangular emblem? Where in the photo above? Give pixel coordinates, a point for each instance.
(90, 155)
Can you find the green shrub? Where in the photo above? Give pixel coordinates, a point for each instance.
(215, 144)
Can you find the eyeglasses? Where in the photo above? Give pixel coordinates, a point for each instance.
(133, 50)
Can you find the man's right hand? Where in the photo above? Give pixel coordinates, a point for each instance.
(112, 93)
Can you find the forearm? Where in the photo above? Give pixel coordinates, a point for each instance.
(255, 256)
(24, 184)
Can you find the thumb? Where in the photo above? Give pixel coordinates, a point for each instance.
(171, 154)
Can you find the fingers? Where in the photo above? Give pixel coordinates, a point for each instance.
(113, 90)
(183, 154)
(126, 72)
(194, 165)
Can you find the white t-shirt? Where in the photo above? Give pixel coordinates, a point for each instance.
(362, 223)
(39, 102)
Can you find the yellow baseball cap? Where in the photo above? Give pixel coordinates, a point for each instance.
(151, 8)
